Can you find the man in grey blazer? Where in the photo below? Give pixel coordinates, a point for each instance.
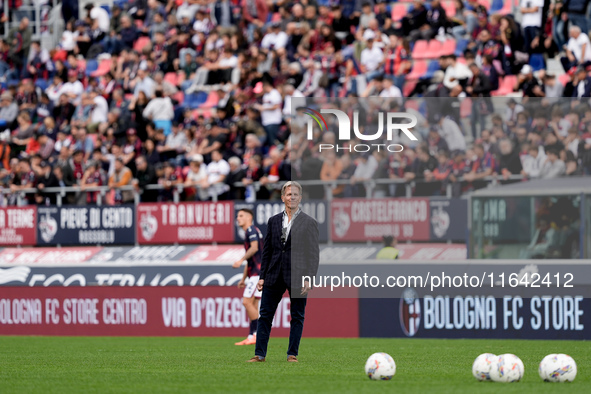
(290, 252)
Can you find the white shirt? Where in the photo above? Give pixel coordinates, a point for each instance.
(392, 92)
(287, 223)
(575, 45)
(277, 40)
(100, 111)
(451, 133)
(365, 170)
(102, 15)
(533, 165)
(146, 85)
(287, 101)
(534, 18)
(371, 58)
(228, 62)
(159, 108)
(214, 171)
(72, 87)
(271, 116)
(67, 42)
(453, 75)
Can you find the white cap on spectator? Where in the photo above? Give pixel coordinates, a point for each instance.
(197, 158)
(369, 34)
(527, 69)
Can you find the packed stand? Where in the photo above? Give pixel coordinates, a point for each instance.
(197, 93)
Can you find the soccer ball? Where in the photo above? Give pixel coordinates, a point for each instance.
(558, 368)
(380, 366)
(483, 365)
(508, 368)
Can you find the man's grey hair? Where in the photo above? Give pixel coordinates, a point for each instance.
(575, 29)
(289, 184)
(235, 160)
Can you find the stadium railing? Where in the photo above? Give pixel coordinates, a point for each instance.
(61, 192)
(52, 25)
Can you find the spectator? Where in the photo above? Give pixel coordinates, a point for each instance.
(235, 175)
(122, 176)
(217, 171)
(161, 111)
(8, 110)
(581, 83)
(92, 178)
(270, 111)
(451, 133)
(372, 60)
(46, 179)
(553, 167)
(483, 166)
(144, 176)
(366, 166)
(532, 163)
(578, 49)
(528, 84)
(531, 20)
(510, 162)
(168, 181)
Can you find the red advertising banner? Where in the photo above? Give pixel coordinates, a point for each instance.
(18, 226)
(47, 255)
(359, 220)
(158, 311)
(189, 223)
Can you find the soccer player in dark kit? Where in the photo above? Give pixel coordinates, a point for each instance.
(253, 243)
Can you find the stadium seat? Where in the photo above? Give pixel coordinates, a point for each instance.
(536, 60)
(450, 8)
(564, 79)
(179, 97)
(433, 66)
(419, 68)
(398, 11)
(409, 86)
(465, 107)
(42, 84)
(485, 3)
(172, 78)
(411, 104)
(506, 85)
(212, 101)
(141, 43)
(91, 66)
(419, 51)
(461, 46)
(497, 5)
(103, 69)
(434, 49)
(507, 8)
(193, 101)
(448, 48)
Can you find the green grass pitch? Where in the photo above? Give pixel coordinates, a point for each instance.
(205, 365)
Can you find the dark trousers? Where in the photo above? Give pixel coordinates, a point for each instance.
(272, 295)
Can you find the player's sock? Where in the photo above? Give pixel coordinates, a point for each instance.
(253, 326)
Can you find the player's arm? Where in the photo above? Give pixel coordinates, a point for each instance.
(254, 247)
(242, 282)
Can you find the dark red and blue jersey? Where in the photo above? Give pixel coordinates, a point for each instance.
(253, 234)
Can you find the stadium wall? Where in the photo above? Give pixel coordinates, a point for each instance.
(435, 220)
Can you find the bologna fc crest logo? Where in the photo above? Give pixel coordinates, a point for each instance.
(148, 226)
(410, 312)
(47, 228)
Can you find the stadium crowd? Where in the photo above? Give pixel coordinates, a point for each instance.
(198, 92)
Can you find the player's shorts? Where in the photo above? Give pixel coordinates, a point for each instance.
(251, 287)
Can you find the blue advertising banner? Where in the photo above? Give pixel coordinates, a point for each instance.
(80, 225)
(263, 210)
(538, 317)
(448, 219)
